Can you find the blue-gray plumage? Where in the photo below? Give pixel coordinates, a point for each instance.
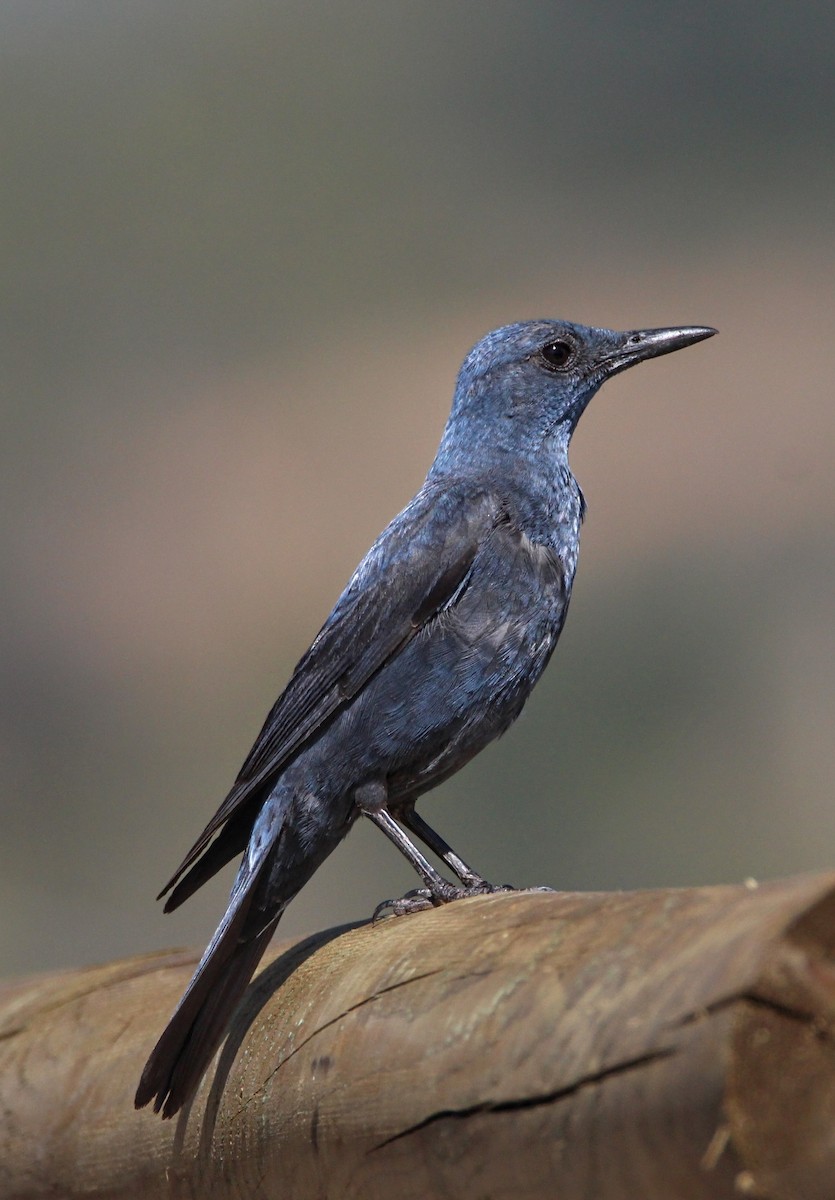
(429, 654)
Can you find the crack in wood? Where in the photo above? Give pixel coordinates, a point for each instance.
(37, 1011)
(523, 1102)
(748, 997)
(392, 987)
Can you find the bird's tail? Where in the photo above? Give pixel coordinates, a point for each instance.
(189, 1041)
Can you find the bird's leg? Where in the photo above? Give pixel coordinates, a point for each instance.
(473, 884)
(371, 800)
(419, 827)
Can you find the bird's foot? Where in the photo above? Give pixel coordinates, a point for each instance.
(419, 899)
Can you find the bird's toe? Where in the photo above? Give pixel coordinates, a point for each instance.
(417, 900)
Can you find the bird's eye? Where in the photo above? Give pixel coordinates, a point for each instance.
(557, 354)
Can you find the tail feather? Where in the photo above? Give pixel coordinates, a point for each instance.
(189, 1041)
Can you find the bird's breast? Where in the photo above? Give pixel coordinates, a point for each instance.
(511, 615)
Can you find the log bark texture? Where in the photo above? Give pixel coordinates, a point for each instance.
(676, 1044)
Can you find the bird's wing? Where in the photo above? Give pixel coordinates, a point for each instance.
(417, 567)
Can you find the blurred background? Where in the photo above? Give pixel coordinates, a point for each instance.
(245, 247)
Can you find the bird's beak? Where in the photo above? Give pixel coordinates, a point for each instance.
(638, 344)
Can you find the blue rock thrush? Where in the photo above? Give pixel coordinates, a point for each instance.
(429, 654)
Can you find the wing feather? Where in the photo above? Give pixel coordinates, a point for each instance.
(416, 568)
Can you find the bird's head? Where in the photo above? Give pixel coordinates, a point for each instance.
(525, 386)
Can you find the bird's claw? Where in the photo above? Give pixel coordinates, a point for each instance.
(419, 899)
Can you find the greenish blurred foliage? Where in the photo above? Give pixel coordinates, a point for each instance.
(244, 248)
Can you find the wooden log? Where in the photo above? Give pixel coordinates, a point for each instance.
(673, 1043)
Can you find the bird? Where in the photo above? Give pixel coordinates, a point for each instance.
(429, 654)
